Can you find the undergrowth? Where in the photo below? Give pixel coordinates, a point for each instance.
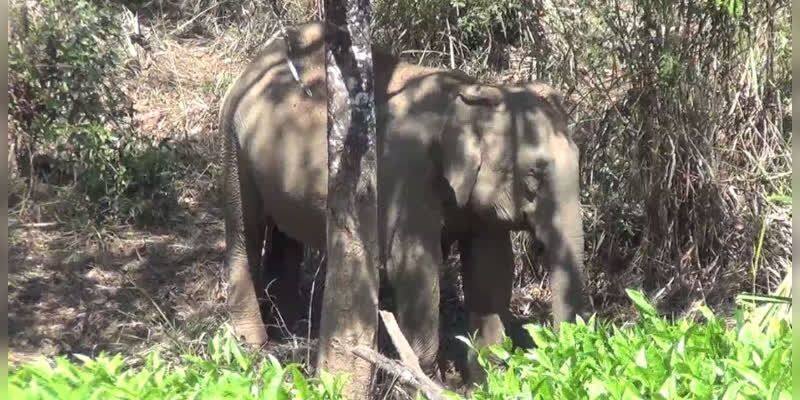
(696, 357)
(651, 359)
(71, 123)
(223, 369)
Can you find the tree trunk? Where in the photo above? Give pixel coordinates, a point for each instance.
(350, 300)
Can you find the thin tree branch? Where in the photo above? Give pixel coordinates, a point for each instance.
(404, 374)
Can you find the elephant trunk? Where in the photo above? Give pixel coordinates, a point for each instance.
(562, 234)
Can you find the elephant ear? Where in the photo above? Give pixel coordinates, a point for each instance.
(548, 94)
(484, 95)
(461, 154)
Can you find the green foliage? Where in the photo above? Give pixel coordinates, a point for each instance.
(223, 370)
(652, 359)
(734, 8)
(65, 61)
(478, 19)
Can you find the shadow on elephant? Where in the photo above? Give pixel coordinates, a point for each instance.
(459, 161)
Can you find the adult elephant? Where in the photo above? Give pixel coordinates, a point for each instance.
(477, 160)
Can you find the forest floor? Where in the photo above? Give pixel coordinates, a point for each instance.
(78, 286)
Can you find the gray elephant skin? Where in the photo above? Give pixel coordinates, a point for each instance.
(458, 161)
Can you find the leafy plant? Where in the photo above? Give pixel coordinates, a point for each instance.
(223, 370)
(655, 359)
(463, 29)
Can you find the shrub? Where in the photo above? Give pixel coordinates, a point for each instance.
(653, 358)
(222, 370)
(469, 34)
(71, 121)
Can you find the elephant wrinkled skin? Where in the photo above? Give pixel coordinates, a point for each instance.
(471, 159)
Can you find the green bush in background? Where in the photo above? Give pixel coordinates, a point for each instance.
(70, 119)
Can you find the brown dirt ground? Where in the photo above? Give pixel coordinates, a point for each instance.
(88, 290)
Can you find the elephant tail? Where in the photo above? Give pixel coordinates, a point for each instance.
(234, 219)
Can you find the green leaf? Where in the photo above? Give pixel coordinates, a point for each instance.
(541, 337)
(732, 392)
(641, 358)
(500, 352)
(669, 389)
(641, 303)
(273, 380)
(596, 388)
(240, 358)
(749, 375)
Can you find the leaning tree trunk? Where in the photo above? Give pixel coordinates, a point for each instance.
(350, 300)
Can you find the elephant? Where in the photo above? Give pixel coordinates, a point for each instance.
(458, 160)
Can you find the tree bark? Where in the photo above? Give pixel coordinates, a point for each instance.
(350, 300)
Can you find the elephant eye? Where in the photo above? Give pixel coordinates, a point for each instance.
(540, 168)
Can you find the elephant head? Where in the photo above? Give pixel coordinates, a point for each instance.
(510, 161)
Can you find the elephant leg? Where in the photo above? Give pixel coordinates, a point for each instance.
(244, 228)
(487, 263)
(415, 256)
(281, 276)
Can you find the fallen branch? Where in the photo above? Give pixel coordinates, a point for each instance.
(407, 356)
(407, 370)
(404, 374)
(14, 224)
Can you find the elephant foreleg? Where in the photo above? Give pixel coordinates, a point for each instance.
(245, 283)
(487, 270)
(413, 270)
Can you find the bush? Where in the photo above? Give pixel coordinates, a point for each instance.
(70, 119)
(222, 370)
(653, 359)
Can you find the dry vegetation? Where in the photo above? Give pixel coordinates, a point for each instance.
(683, 115)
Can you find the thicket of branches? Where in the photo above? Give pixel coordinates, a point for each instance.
(682, 110)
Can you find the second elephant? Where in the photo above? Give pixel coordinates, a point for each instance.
(477, 160)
